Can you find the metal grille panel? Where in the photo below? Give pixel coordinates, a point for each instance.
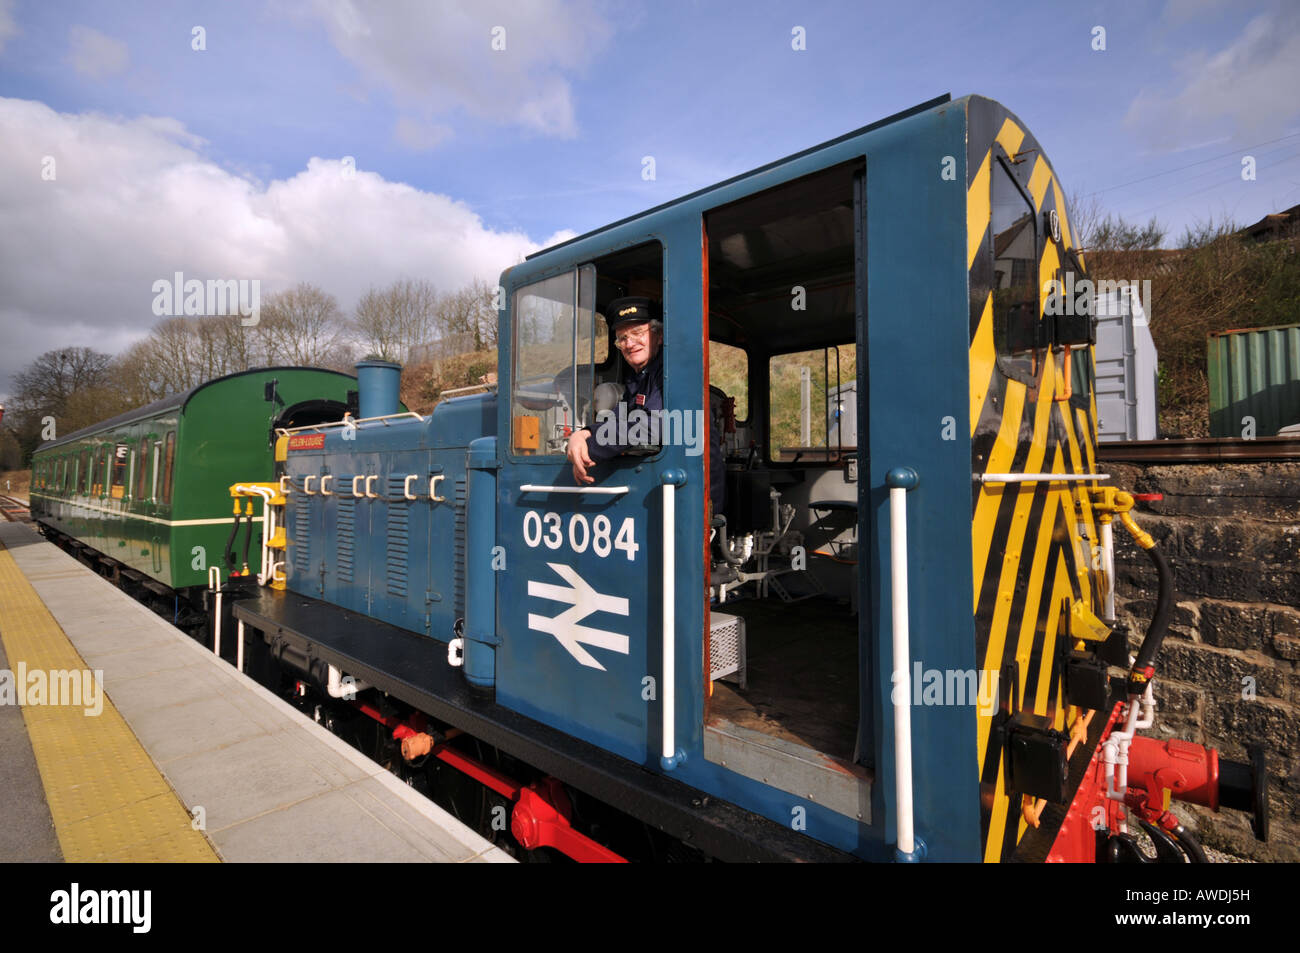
(458, 547)
(346, 535)
(727, 646)
(399, 517)
(302, 534)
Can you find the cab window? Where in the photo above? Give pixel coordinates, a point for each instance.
(729, 370)
(554, 336)
(1019, 333)
(813, 404)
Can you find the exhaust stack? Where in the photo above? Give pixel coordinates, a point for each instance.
(378, 383)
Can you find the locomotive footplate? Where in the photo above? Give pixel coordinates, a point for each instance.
(372, 651)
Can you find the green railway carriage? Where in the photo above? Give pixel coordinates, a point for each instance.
(149, 489)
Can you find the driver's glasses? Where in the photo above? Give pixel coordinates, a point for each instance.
(637, 334)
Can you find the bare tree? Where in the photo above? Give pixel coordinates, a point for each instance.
(302, 326)
(136, 376)
(389, 323)
(44, 387)
(469, 311)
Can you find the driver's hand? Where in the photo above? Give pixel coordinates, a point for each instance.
(577, 454)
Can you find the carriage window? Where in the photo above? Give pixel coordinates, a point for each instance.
(121, 470)
(555, 349)
(101, 472)
(157, 452)
(813, 404)
(141, 477)
(84, 472)
(1019, 333)
(729, 370)
(170, 458)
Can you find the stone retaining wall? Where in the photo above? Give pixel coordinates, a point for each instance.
(1229, 672)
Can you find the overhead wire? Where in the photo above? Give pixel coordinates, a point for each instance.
(1212, 185)
(1190, 165)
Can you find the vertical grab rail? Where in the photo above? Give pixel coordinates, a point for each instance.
(910, 848)
(669, 756)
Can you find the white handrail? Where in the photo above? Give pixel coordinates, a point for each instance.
(669, 687)
(465, 390)
(900, 480)
(593, 490)
(433, 488)
(214, 584)
(1040, 477)
(902, 652)
(324, 484)
(369, 493)
(1108, 568)
(406, 486)
(347, 421)
(355, 492)
(306, 484)
(284, 490)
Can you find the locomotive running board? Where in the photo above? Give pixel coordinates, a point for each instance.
(372, 651)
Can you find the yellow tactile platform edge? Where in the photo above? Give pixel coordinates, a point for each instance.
(107, 799)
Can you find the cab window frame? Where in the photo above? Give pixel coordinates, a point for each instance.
(600, 367)
(1008, 362)
(772, 458)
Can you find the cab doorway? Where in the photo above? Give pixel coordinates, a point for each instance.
(787, 657)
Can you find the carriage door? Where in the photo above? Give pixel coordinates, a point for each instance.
(578, 571)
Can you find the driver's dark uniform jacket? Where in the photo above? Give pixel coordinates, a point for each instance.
(645, 392)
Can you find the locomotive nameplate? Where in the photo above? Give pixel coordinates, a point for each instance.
(307, 441)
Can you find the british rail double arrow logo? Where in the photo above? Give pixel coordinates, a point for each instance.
(583, 601)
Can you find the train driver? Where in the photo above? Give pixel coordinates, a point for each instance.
(638, 335)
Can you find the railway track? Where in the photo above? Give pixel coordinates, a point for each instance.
(1201, 450)
(14, 510)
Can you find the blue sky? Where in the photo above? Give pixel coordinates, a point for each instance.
(468, 157)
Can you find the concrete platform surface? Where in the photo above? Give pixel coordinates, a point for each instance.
(272, 785)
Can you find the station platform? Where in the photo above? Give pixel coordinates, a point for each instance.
(179, 757)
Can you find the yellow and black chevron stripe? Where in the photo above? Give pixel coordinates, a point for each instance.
(1032, 544)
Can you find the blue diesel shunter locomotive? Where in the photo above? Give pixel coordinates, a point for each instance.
(888, 641)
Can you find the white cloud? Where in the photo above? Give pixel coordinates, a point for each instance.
(1245, 88)
(96, 54)
(439, 54)
(135, 200)
(7, 26)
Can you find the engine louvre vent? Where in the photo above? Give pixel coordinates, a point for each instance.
(346, 534)
(458, 547)
(302, 534)
(399, 515)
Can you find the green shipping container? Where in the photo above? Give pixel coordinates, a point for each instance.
(1254, 381)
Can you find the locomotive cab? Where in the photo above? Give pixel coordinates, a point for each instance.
(768, 652)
